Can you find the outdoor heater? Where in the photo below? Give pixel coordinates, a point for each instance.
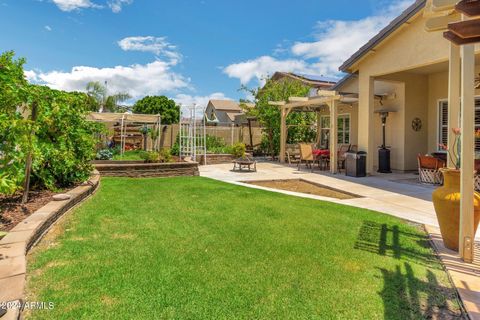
(383, 150)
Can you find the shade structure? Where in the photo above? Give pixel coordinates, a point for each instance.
(123, 119)
(119, 117)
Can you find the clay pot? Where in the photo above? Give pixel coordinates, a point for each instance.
(446, 201)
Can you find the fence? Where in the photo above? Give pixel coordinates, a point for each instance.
(230, 134)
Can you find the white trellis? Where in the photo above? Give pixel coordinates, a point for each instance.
(192, 134)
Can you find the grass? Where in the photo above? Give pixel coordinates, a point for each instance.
(194, 248)
(129, 155)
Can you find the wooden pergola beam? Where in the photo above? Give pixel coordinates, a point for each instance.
(450, 36)
(466, 29)
(470, 8)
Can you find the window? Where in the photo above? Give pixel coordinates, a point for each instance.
(443, 123)
(343, 129)
(324, 131)
(343, 126)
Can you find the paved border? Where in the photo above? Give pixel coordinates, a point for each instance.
(16, 244)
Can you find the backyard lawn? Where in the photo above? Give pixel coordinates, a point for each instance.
(201, 249)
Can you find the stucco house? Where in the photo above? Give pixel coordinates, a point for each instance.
(404, 69)
(223, 112)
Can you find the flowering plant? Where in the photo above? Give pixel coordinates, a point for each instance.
(455, 153)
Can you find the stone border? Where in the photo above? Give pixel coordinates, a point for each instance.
(16, 244)
(140, 170)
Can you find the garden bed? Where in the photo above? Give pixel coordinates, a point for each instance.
(303, 186)
(217, 159)
(12, 211)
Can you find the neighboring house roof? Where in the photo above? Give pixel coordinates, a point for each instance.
(231, 115)
(320, 82)
(226, 105)
(384, 33)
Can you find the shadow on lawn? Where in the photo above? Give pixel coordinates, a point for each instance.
(387, 240)
(407, 297)
(404, 295)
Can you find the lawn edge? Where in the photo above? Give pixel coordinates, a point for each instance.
(15, 246)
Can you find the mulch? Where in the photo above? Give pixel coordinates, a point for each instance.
(12, 211)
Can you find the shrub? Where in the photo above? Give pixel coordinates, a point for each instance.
(105, 154)
(238, 150)
(165, 155)
(61, 140)
(150, 156)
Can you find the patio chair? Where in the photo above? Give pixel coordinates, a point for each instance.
(306, 155)
(292, 153)
(342, 150)
(429, 169)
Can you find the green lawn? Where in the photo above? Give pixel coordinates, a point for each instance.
(129, 155)
(194, 248)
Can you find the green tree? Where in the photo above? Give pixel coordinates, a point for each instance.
(161, 105)
(100, 100)
(300, 123)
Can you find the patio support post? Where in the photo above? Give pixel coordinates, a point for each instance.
(467, 153)
(333, 135)
(453, 96)
(319, 128)
(283, 132)
(366, 121)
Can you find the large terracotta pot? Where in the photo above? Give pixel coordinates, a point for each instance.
(446, 201)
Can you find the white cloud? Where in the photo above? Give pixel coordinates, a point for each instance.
(48, 28)
(335, 41)
(116, 5)
(137, 80)
(186, 101)
(70, 5)
(202, 101)
(263, 66)
(156, 45)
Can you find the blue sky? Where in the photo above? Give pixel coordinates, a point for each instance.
(189, 50)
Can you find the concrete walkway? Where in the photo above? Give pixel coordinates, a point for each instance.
(395, 194)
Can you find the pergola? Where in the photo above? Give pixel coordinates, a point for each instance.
(123, 119)
(325, 98)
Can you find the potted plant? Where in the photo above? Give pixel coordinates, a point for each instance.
(446, 199)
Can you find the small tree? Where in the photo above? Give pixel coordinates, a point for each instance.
(166, 108)
(100, 100)
(269, 116)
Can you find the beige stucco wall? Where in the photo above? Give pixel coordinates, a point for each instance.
(415, 58)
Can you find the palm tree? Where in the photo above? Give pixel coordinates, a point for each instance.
(106, 103)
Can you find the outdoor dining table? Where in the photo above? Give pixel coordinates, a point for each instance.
(322, 155)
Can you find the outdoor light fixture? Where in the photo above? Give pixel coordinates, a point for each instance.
(384, 151)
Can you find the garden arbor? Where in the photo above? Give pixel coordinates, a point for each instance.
(126, 118)
(325, 99)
